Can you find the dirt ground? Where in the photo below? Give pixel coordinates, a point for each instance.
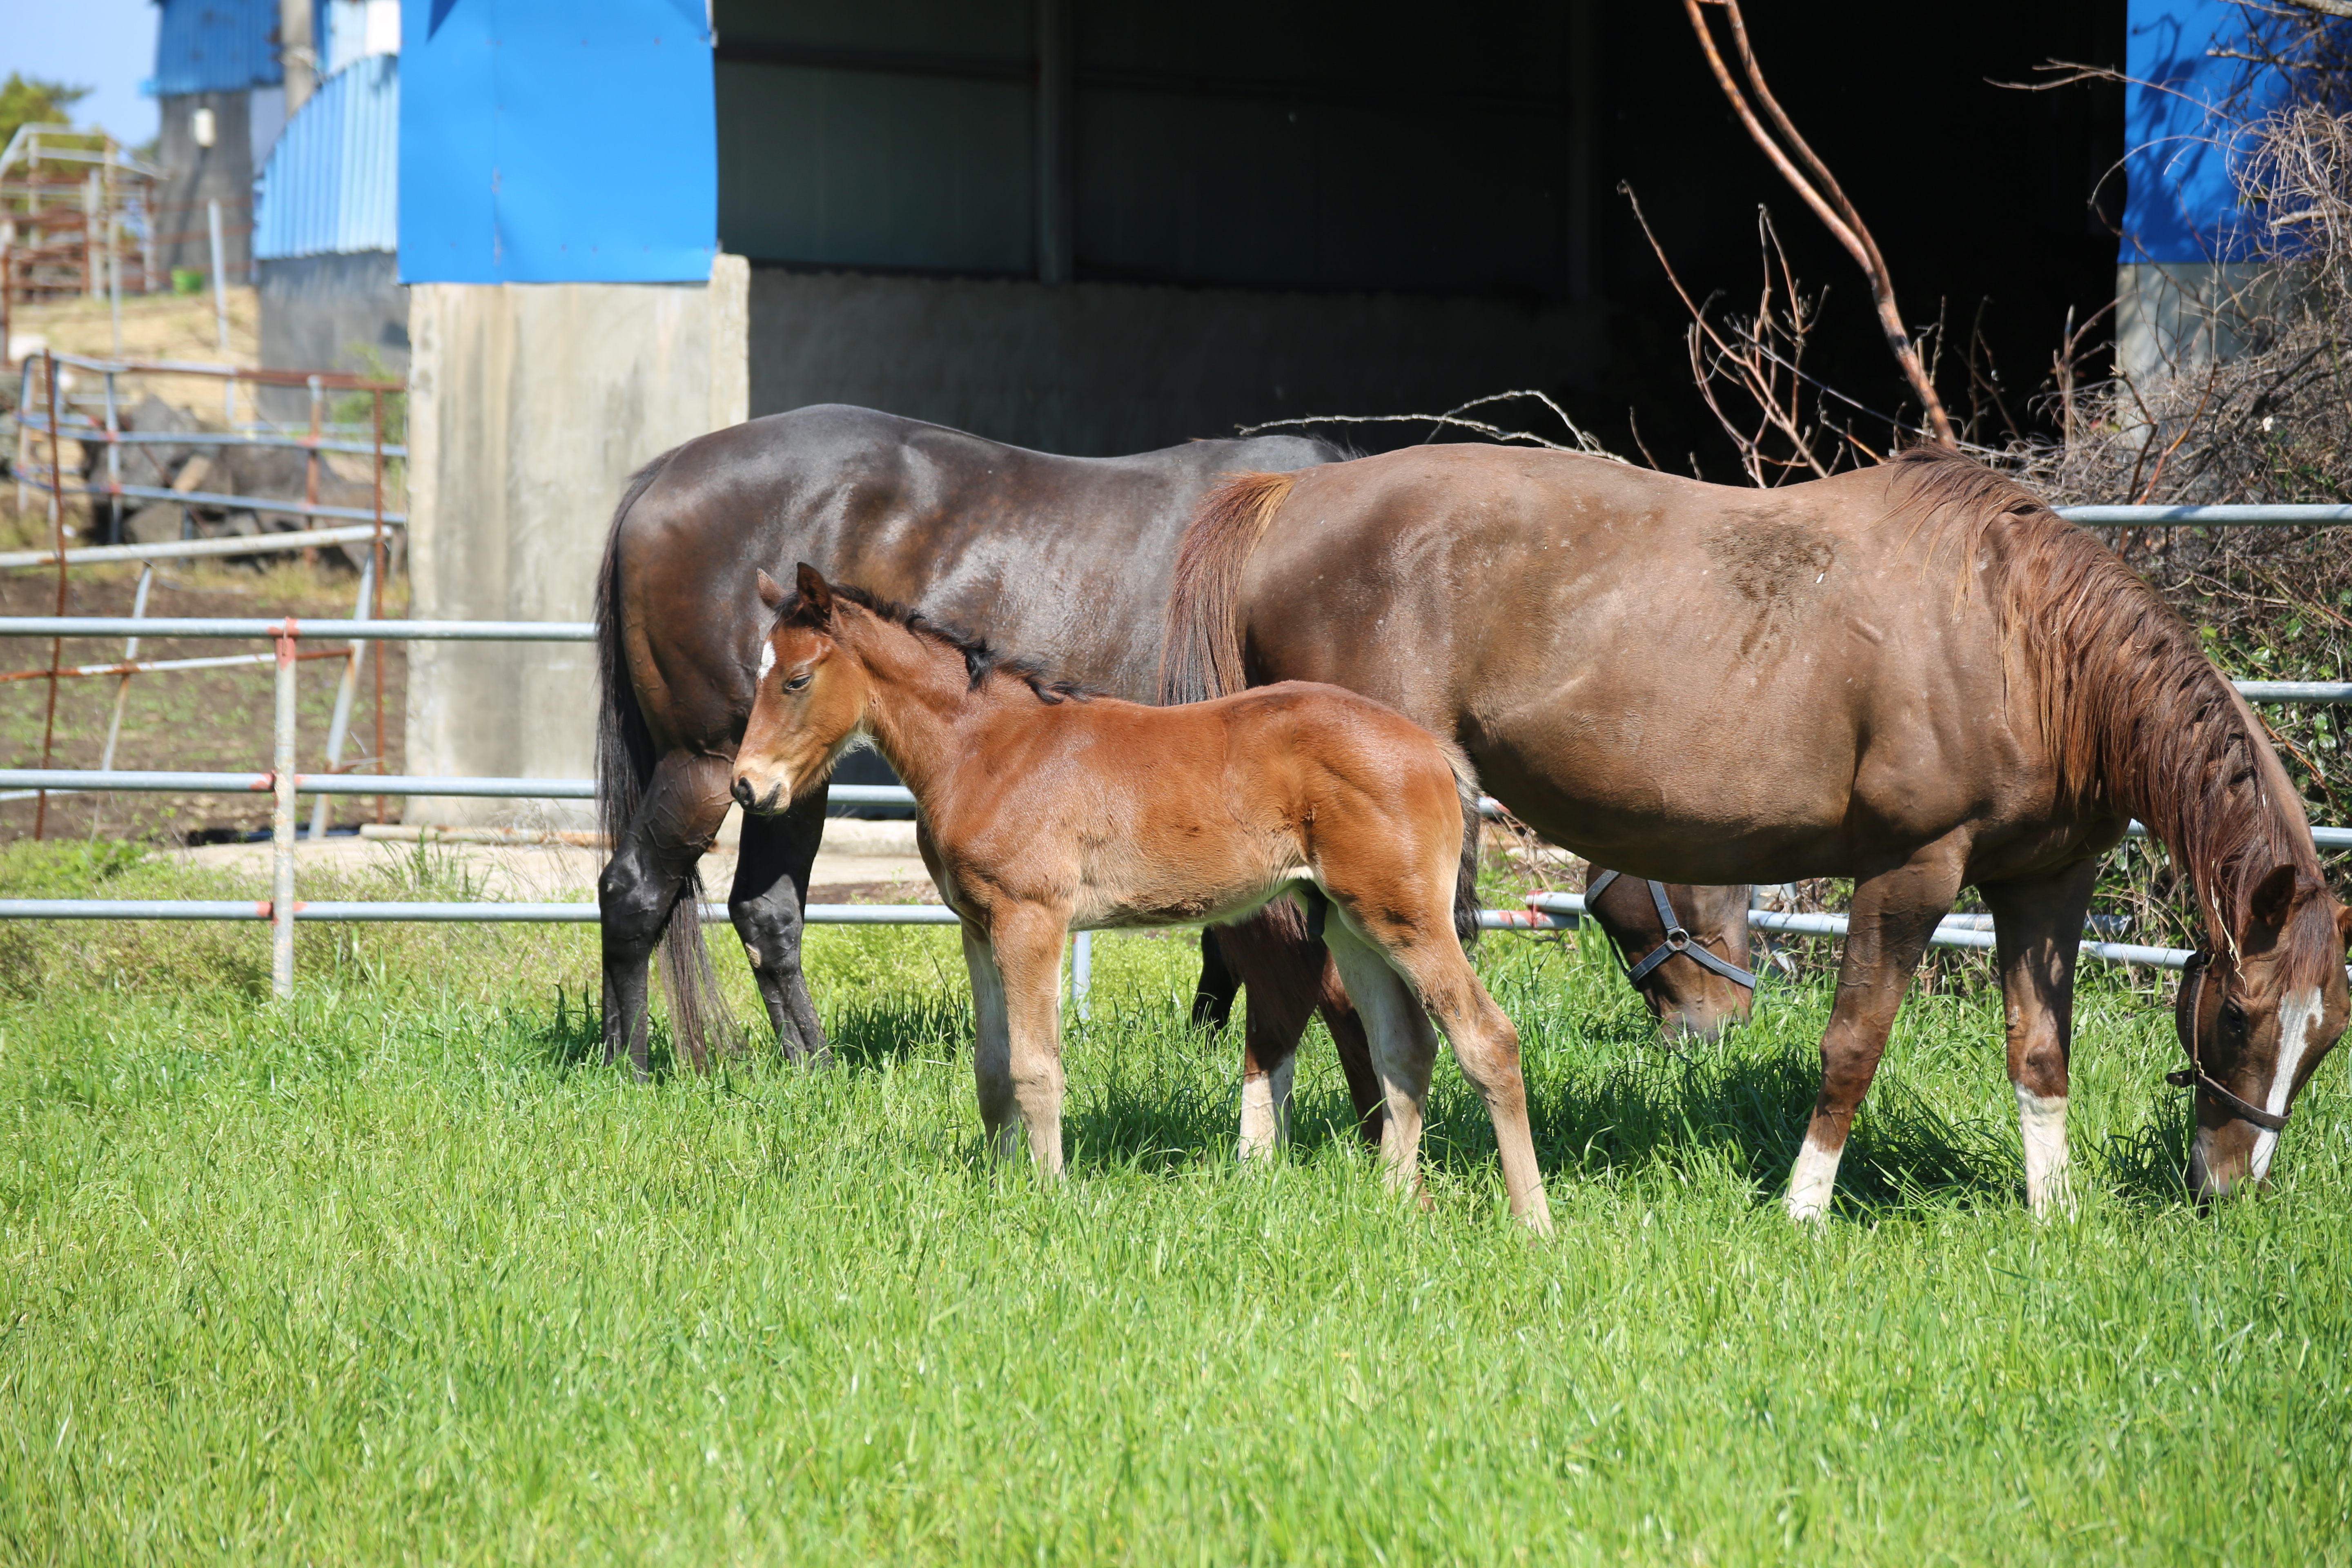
(155, 326)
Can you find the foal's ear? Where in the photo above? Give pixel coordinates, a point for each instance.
(2275, 898)
(817, 594)
(772, 592)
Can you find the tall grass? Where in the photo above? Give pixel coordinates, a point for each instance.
(398, 1270)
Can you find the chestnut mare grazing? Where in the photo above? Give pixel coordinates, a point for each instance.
(1044, 810)
(1915, 675)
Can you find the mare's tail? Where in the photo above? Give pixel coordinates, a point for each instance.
(1465, 880)
(625, 756)
(1201, 650)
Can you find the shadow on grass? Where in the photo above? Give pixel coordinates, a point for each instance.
(2147, 1169)
(1741, 1107)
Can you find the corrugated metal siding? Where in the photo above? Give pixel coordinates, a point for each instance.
(215, 45)
(332, 186)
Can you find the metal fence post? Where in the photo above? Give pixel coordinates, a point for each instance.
(281, 823)
(346, 690)
(113, 532)
(1082, 973)
(130, 654)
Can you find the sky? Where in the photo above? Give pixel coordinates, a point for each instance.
(105, 44)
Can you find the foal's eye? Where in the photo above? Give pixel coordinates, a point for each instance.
(797, 683)
(2234, 1014)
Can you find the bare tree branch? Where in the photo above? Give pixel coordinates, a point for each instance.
(1836, 213)
(2325, 7)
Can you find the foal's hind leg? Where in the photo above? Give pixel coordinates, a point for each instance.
(651, 868)
(772, 879)
(2038, 925)
(1423, 974)
(1403, 1048)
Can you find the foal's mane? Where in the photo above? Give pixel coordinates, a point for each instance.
(2136, 717)
(981, 658)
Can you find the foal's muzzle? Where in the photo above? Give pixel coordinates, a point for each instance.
(752, 801)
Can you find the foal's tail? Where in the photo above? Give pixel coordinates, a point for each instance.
(625, 757)
(1201, 650)
(1465, 880)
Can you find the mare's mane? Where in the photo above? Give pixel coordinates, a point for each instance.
(2136, 717)
(981, 658)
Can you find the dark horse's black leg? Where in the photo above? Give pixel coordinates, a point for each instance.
(771, 881)
(1212, 999)
(652, 867)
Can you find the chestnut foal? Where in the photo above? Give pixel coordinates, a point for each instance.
(1042, 810)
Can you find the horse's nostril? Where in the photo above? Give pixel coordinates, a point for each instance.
(743, 792)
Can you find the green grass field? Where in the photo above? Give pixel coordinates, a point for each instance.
(397, 1271)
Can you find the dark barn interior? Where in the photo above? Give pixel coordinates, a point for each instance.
(1097, 224)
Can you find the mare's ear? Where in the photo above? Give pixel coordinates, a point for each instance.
(772, 592)
(2344, 923)
(817, 594)
(2275, 898)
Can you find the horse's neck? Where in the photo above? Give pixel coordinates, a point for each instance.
(922, 699)
(2206, 823)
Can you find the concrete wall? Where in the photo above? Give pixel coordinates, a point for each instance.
(530, 405)
(329, 313)
(1094, 369)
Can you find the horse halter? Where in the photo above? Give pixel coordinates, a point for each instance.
(1677, 939)
(2194, 985)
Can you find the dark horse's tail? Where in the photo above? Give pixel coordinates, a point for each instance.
(1200, 647)
(625, 756)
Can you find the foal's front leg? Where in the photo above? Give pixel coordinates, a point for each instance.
(1021, 1071)
(1895, 914)
(2037, 924)
(992, 1061)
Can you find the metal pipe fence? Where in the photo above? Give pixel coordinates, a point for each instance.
(285, 784)
(111, 439)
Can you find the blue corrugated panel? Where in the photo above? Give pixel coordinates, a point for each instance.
(2198, 81)
(557, 143)
(215, 45)
(332, 183)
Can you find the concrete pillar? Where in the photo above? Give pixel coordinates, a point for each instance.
(2173, 317)
(529, 405)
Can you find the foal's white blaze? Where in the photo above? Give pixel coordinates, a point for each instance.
(2041, 1119)
(1265, 1110)
(1813, 1182)
(767, 658)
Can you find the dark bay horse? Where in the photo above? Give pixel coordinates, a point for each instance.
(1915, 675)
(1066, 558)
(1044, 810)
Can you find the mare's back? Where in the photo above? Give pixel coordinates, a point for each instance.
(1063, 559)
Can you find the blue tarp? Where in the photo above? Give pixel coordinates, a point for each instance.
(215, 45)
(2180, 113)
(331, 183)
(557, 142)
